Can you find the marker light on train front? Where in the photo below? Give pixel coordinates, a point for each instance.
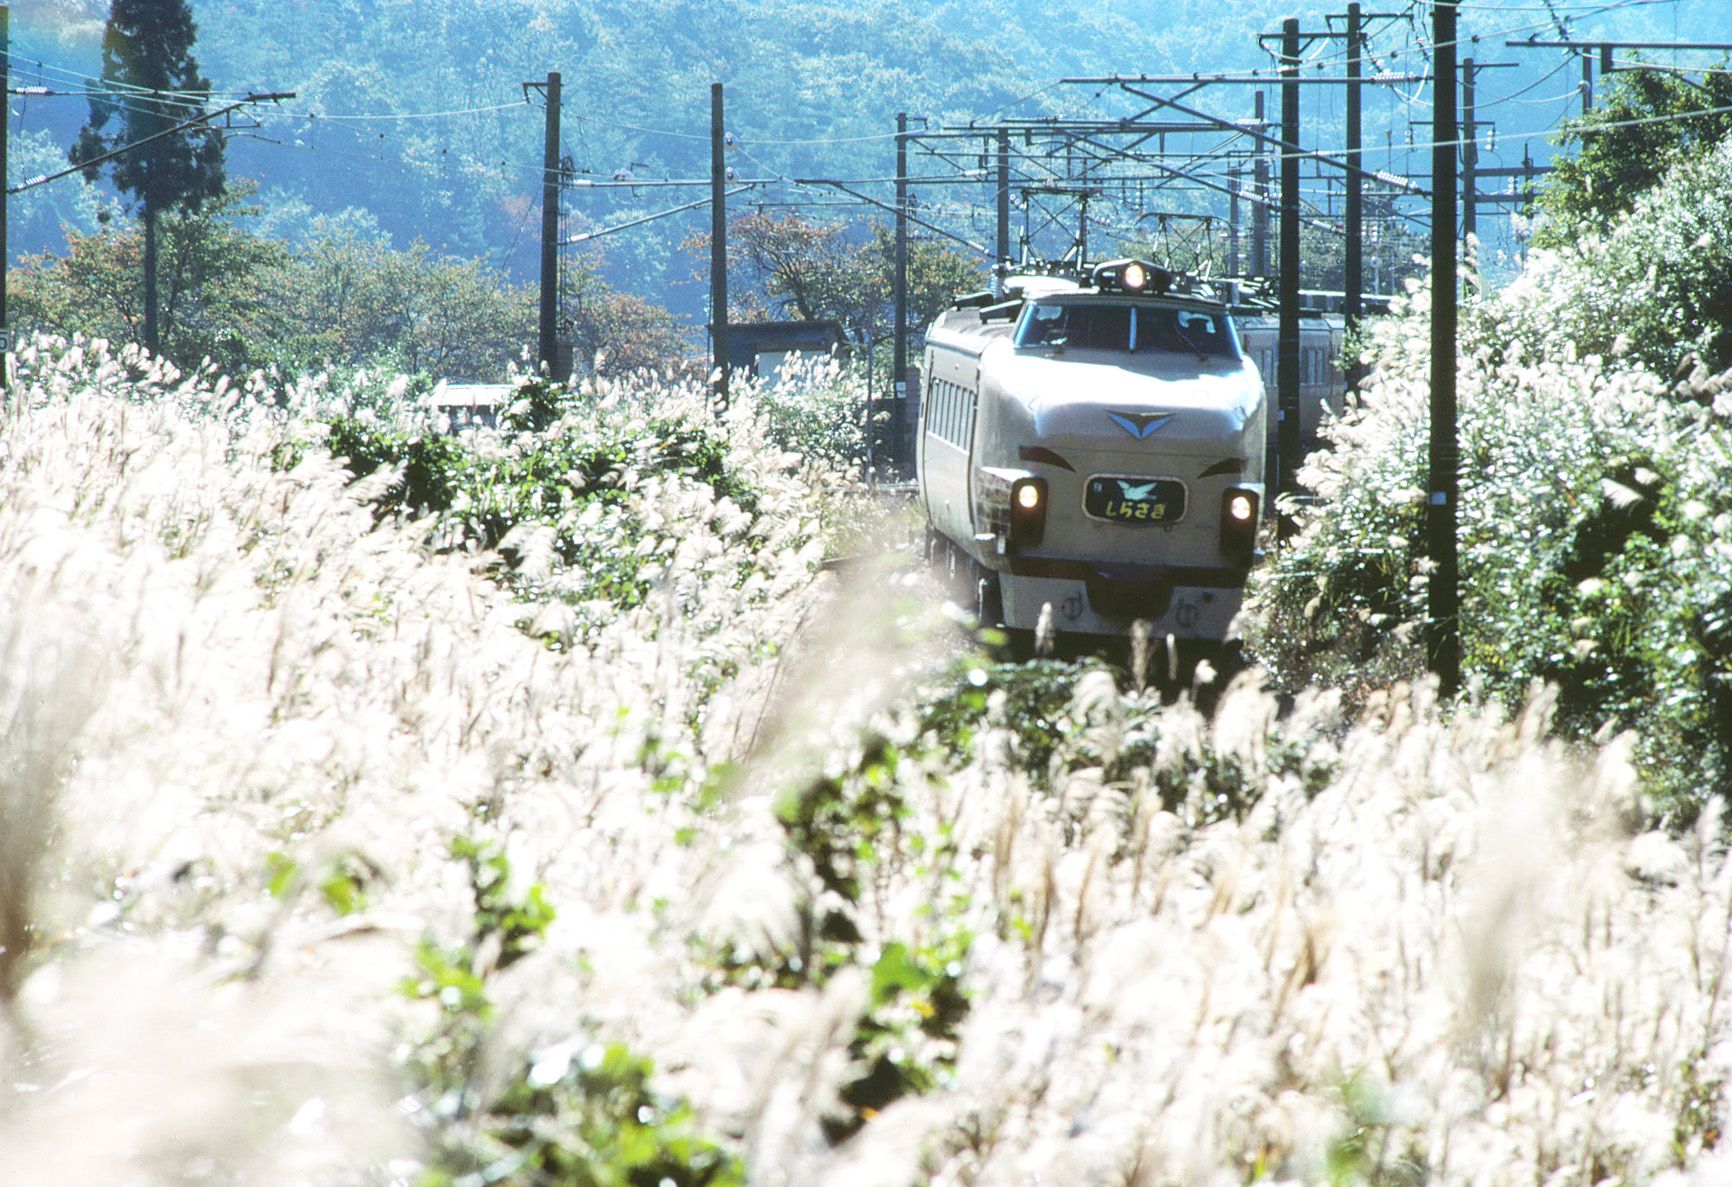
(1239, 525)
(1027, 512)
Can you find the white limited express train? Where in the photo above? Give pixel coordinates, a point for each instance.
(1091, 452)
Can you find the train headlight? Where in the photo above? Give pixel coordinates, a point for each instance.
(1239, 525)
(1131, 276)
(1027, 512)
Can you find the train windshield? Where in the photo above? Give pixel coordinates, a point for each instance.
(1133, 329)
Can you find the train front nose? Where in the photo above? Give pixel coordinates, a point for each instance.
(1152, 514)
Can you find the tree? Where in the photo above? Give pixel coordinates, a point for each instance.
(937, 274)
(340, 298)
(1649, 121)
(150, 84)
(612, 332)
(217, 302)
(816, 272)
(801, 267)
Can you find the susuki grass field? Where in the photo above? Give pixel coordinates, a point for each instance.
(585, 830)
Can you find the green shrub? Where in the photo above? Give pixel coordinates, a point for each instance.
(1656, 286)
(1595, 536)
(581, 1113)
(585, 1116)
(1027, 700)
(818, 411)
(566, 490)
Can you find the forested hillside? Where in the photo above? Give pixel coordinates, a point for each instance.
(812, 91)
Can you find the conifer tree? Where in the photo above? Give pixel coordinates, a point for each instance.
(151, 83)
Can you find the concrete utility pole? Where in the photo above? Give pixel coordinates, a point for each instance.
(1260, 208)
(1443, 619)
(1471, 173)
(1287, 351)
(1001, 245)
(5, 135)
(1235, 179)
(1354, 265)
(899, 376)
(1469, 155)
(550, 186)
(718, 246)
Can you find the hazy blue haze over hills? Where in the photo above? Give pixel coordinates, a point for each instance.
(812, 90)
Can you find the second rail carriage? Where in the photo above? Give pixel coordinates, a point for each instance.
(1322, 383)
(1091, 449)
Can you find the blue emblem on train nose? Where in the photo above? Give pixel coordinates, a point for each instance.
(1141, 425)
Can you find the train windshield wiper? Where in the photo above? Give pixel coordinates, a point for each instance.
(1184, 336)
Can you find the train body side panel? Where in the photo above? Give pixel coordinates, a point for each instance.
(948, 409)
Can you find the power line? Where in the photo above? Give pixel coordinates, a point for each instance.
(386, 116)
(649, 218)
(33, 182)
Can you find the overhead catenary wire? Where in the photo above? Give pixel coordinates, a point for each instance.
(1320, 56)
(586, 236)
(41, 180)
(386, 116)
(1507, 138)
(120, 93)
(189, 97)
